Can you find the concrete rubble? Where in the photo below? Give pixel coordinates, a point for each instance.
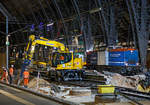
(116, 79)
(67, 93)
(84, 95)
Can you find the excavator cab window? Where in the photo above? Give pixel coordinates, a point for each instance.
(61, 58)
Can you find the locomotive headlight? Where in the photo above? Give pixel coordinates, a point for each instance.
(137, 64)
(126, 64)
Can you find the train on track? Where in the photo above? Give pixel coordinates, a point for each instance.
(120, 60)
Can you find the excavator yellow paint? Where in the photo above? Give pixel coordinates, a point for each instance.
(75, 63)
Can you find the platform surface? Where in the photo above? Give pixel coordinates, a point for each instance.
(12, 96)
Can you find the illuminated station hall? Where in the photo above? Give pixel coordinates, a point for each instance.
(74, 52)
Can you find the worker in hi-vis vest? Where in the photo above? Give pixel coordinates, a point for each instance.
(11, 73)
(5, 75)
(26, 77)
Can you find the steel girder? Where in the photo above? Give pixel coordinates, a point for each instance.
(139, 22)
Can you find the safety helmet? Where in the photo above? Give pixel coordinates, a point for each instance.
(26, 69)
(5, 69)
(12, 65)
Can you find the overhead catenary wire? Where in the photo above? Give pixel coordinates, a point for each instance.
(102, 24)
(52, 16)
(35, 20)
(50, 8)
(15, 36)
(25, 20)
(22, 15)
(31, 11)
(61, 16)
(81, 23)
(12, 2)
(44, 12)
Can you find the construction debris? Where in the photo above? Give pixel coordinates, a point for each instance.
(84, 94)
(116, 79)
(35, 82)
(64, 92)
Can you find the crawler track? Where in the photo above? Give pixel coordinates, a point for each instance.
(89, 80)
(77, 83)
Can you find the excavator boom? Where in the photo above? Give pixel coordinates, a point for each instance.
(33, 41)
(69, 66)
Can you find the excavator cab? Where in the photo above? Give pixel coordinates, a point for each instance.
(61, 58)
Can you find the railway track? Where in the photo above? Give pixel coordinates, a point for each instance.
(89, 80)
(92, 81)
(86, 83)
(77, 83)
(133, 92)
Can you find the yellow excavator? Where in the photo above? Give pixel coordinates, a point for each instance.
(63, 65)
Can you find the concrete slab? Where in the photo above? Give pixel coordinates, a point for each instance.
(9, 96)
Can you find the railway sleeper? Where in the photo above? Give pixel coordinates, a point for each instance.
(67, 75)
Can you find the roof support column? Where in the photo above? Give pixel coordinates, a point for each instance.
(6, 14)
(7, 42)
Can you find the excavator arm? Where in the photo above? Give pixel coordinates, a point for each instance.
(33, 41)
(68, 66)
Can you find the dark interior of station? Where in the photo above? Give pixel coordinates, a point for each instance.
(75, 51)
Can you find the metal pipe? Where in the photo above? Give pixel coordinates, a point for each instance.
(6, 14)
(7, 42)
